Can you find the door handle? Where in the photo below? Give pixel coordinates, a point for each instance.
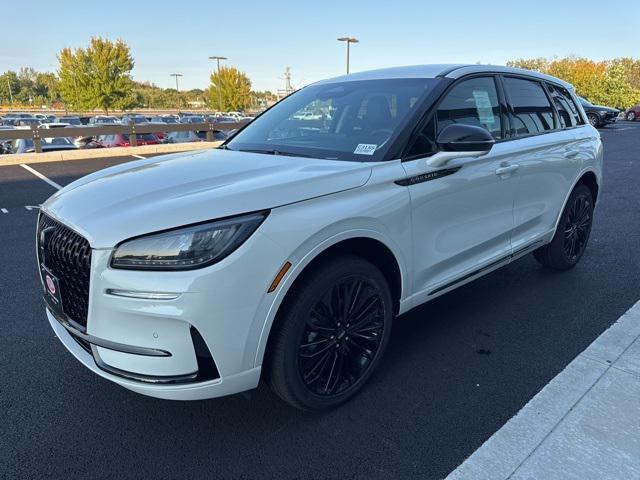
(507, 169)
(571, 154)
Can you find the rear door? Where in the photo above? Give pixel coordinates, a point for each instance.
(544, 146)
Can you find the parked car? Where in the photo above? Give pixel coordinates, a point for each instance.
(183, 137)
(6, 146)
(122, 140)
(133, 118)
(25, 145)
(598, 115)
(192, 119)
(41, 117)
(25, 123)
(286, 255)
(73, 120)
(11, 117)
(164, 119)
(104, 120)
(633, 114)
(87, 142)
(191, 136)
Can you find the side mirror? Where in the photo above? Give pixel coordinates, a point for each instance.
(464, 138)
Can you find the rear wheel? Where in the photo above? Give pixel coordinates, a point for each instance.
(631, 116)
(572, 234)
(331, 334)
(593, 119)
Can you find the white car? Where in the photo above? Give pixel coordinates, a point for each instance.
(286, 253)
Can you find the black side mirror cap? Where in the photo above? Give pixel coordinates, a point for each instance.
(459, 137)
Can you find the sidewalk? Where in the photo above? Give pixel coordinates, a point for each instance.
(585, 424)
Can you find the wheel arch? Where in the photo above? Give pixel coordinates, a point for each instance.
(368, 244)
(591, 180)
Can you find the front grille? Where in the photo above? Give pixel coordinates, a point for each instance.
(68, 256)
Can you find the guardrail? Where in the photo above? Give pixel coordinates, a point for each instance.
(36, 133)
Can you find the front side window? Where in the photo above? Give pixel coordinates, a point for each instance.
(532, 112)
(471, 102)
(352, 120)
(567, 109)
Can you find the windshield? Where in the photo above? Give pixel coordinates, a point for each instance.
(585, 102)
(352, 120)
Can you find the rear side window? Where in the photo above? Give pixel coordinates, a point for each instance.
(567, 109)
(532, 112)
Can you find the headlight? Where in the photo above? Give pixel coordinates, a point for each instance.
(603, 112)
(185, 248)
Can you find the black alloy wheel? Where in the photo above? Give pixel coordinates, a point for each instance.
(577, 227)
(330, 333)
(342, 336)
(574, 227)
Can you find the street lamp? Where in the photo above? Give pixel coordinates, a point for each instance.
(176, 75)
(348, 40)
(217, 59)
(10, 92)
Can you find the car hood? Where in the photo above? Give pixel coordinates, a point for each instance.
(154, 194)
(602, 107)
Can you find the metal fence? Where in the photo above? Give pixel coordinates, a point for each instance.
(36, 133)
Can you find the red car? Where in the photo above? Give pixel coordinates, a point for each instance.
(633, 113)
(122, 140)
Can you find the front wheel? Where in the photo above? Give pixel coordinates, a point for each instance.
(593, 120)
(631, 116)
(572, 234)
(331, 334)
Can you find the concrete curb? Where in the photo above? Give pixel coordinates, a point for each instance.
(555, 435)
(17, 159)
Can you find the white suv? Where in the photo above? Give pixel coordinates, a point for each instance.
(287, 252)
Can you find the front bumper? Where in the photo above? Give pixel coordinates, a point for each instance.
(176, 391)
(147, 331)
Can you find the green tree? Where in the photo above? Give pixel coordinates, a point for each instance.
(98, 76)
(230, 90)
(9, 86)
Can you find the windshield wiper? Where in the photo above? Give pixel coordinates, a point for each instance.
(276, 152)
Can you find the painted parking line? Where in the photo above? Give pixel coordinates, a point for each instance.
(583, 424)
(41, 177)
(139, 156)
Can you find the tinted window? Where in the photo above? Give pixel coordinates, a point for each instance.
(352, 120)
(567, 110)
(471, 102)
(532, 111)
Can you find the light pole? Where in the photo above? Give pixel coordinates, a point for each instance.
(349, 41)
(176, 75)
(10, 92)
(75, 85)
(217, 59)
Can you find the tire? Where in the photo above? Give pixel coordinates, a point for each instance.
(631, 116)
(314, 334)
(572, 235)
(593, 120)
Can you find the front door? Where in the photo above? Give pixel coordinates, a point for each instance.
(462, 213)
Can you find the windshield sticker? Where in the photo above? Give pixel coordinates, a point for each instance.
(483, 106)
(366, 149)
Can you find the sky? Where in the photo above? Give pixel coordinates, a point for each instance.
(261, 38)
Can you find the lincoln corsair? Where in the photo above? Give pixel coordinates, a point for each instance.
(286, 253)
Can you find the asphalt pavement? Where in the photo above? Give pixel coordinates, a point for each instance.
(456, 371)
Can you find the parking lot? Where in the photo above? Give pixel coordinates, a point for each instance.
(456, 370)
